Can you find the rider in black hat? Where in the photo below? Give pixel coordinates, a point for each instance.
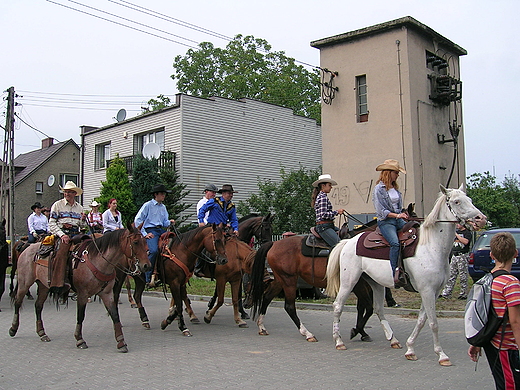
(37, 223)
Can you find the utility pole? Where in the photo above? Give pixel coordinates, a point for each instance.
(8, 166)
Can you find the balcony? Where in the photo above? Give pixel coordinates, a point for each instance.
(165, 160)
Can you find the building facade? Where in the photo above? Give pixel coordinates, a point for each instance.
(215, 140)
(393, 91)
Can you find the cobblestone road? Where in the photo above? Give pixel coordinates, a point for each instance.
(222, 356)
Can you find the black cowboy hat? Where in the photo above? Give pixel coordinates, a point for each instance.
(36, 205)
(226, 188)
(159, 188)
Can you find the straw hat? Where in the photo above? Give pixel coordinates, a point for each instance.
(70, 185)
(326, 178)
(390, 165)
(94, 204)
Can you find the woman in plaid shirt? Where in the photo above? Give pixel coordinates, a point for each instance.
(323, 208)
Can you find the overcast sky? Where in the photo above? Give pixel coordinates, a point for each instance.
(59, 59)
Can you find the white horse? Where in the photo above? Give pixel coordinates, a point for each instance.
(428, 268)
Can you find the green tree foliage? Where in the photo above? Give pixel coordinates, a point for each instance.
(156, 104)
(173, 201)
(117, 186)
(145, 177)
(289, 200)
(248, 68)
(499, 202)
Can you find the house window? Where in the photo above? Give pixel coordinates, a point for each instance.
(102, 154)
(155, 136)
(39, 187)
(65, 177)
(362, 101)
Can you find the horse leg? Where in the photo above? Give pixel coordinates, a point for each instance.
(365, 309)
(427, 312)
(272, 291)
(140, 285)
(176, 312)
(213, 299)
(41, 297)
(220, 288)
(81, 305)
(189, 309)
(243, 313)
(236, 287)
(337, 306)
(290, 307)
(111, 305)
(379, 297)
(20, 295)
(133, 304)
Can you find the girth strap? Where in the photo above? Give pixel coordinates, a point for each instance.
(183, 266)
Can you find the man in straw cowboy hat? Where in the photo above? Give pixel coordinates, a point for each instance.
(388, 202)
(65, 221)
(221, 209)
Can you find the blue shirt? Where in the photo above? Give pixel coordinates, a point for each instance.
(153, 214)
(219, 212)
(382, 202)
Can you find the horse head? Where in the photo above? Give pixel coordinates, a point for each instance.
(461, 207)
(136, 249)
(266, 229)
(214, 242)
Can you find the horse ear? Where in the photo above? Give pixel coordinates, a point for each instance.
(461, 188)
(443, 189)
(140, 226)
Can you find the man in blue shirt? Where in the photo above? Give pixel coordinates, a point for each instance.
(221, 209)
(154, 217)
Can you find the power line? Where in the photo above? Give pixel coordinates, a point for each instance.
(34, 128)
(88, 95)
(74, 108)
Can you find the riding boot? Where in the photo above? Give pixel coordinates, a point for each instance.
(58, 269)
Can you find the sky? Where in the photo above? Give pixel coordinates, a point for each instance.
(71, 69)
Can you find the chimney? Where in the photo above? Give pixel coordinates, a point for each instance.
(47, 142)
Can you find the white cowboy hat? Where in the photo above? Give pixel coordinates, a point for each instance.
(70, 185)
(326, 178)
(390, 165)
(94, 204)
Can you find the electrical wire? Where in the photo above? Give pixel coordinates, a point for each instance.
(34, 128)
(75, 108)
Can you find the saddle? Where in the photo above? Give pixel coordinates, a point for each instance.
(314, 246)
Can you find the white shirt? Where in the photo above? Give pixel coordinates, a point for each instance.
(110, 223)
(201, 203)
(394, 198)
(37, 222)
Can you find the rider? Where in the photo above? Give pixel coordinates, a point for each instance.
(221, 209)
(94, 218)
(388, 202)
(323, 208)
(66, 220)
(154, 217)
(37, 223)
(210, 191)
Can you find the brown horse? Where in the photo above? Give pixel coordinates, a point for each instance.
(94, 274)
(287, 264)
(177, 262)
(4, 257)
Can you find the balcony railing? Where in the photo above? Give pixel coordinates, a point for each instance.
(165, 160)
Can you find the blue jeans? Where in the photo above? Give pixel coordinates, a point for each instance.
(153, 249)
(389, 228)
(328, 231)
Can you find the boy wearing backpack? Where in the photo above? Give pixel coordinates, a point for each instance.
(502, 352)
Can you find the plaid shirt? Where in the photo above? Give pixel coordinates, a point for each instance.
(323, 208)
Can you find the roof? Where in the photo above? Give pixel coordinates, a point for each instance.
(31, 161)
(406, 21)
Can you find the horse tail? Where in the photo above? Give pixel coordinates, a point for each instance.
(257, 277)
(14, 258)
(333, 276)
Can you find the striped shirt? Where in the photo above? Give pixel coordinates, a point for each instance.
(505, 292)
(63, 213)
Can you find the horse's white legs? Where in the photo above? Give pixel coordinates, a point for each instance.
(379, 296)
(305, 333)
(427, 312)
(338, 304)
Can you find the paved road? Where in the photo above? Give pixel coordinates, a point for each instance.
(222, 356)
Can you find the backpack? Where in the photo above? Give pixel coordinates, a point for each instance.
(481, 322)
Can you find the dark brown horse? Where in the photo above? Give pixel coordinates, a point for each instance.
(4, 257)
(287, 264)
(94, 274)
(177, 262)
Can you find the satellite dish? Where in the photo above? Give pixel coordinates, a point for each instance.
(50, 180)
(121, 115)
(151, 150)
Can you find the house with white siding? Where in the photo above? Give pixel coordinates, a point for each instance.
(214, 140)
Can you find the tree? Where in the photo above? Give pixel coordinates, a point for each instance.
(157, 104)
(289, 200)
(498, 202)
(117, 186)
(248, 68)
(145, 177)
(173, 201)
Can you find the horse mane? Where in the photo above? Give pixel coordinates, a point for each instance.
(248, 216)
(188, 236)
(429, 221)
(107, 240)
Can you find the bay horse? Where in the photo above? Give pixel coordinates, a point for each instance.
(428, 268)
(94, 274)
(287, 264)
(4, 257)
(177, 263)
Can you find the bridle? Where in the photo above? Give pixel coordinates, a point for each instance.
(262, 228)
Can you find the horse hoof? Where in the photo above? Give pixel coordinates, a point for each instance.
(243, 325)
(353, 333)
(12, 332)
(245, 316)
(186, 333)
(164, 324)
(123, 349)
(45, 338)
(133, 306)
(396, 345)
(263, 333)
(194, 320)
(312, 339)
(366, 338)
(207, 319)
(146, 325)
(82, 345)
(411, 357)
(341, 347)
(445, 362)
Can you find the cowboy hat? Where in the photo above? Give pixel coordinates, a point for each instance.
(326, 178)
(36, 205)
(390, 165)
(159, 188)
(70, 185)
(210, 187)
(226, 188)
(94, 204)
